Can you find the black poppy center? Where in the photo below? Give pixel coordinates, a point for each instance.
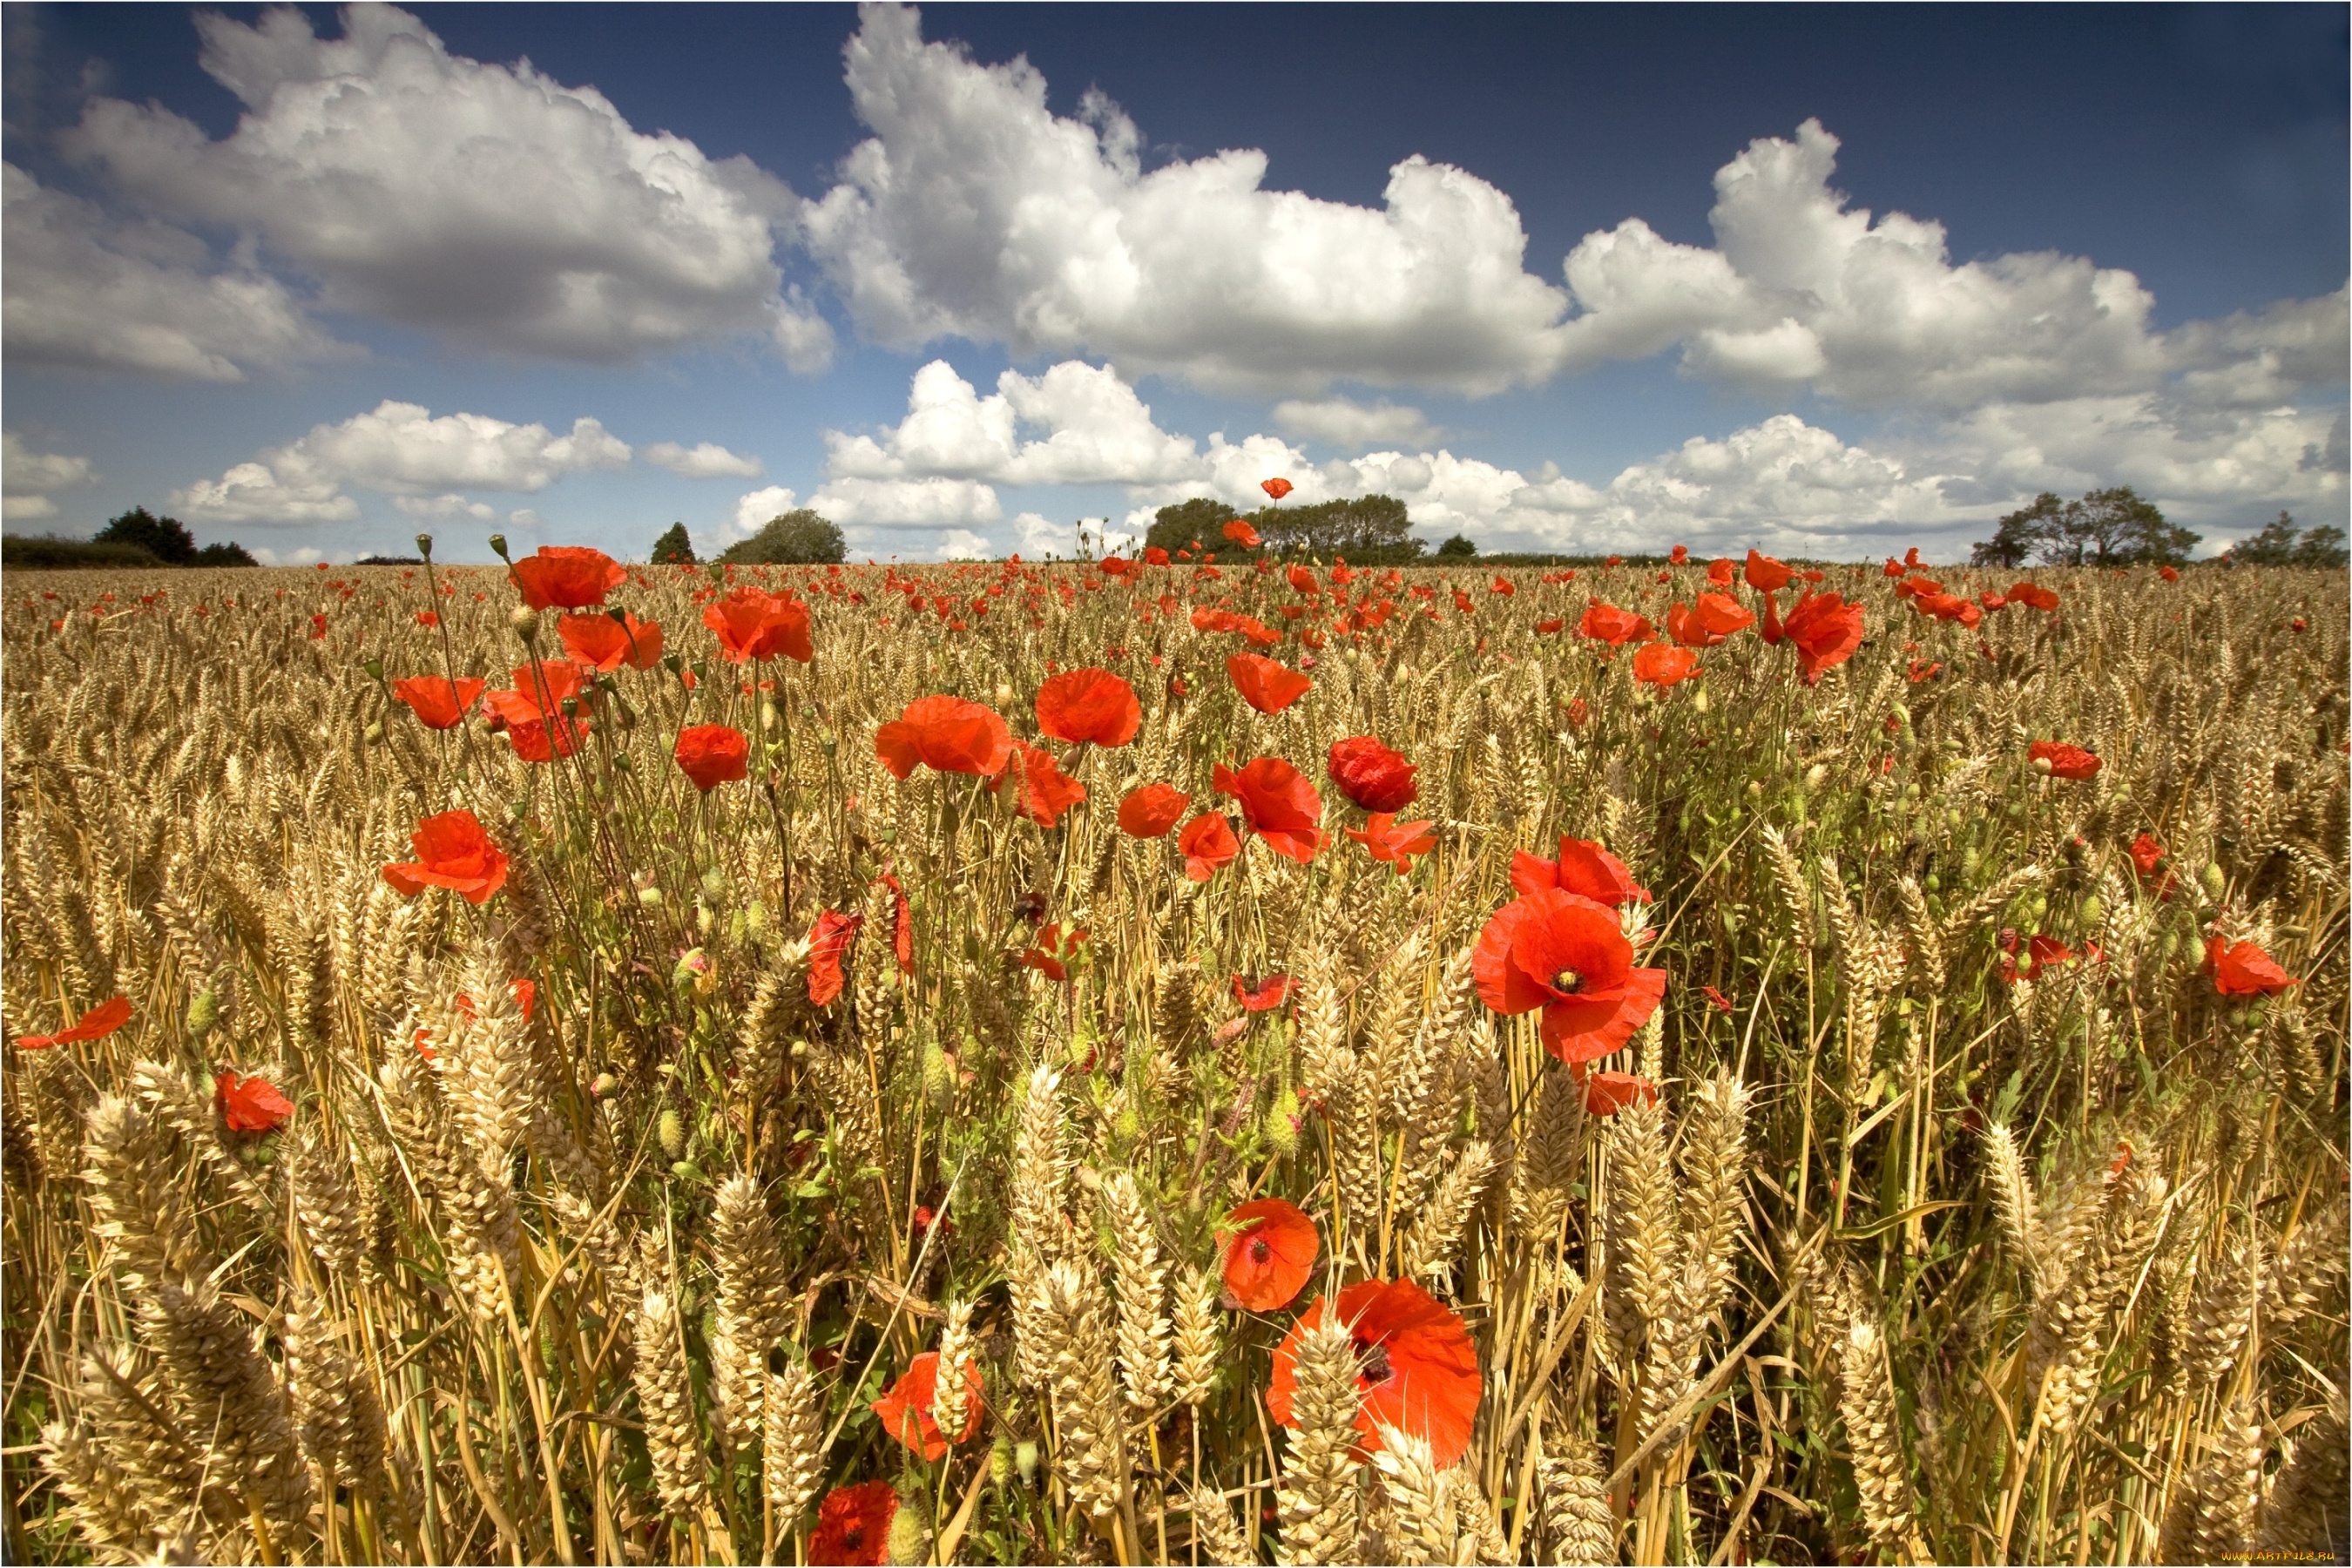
(855, 1538)
(1376, 1364)
(1259, 1251)
(1568, 982)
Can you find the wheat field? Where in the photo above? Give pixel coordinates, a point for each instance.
(1792, 1109)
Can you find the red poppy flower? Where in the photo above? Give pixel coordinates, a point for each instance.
(1088, 705)
(602, 642)
(1417, 1370)
(2169, 574)
(905, 1410)
(1606, 623)
(852, 1526)
(427, 618)
(1826, 630)
(1269, 1256)
(1551, 628)
(1766, 574)
(1680, 555)
(1662, 665)
(1583, 868)
(1265, 685)
(95, 1025)
(1150, 810)
(1371, 775)
(1208, 845)
(2242, 969)
(829, 942)
(1919, 671)
(1277, 804)
(1265, 996)
(1721, 572)
(567, 577)
(1706, 623)
(438, 702)
(1394, 842)
(946, 734)
(539, 691)
(1242, 533)
(1054, 953)
(712, 754)
(1553, 950)
(1042, 791)
(2065, 761)
(1278, 488)
(1609, 1092)
(2033, 594)
(1154, 556)
(1716, 999)
(902, 918)
(251, 1104)
(753, 624)
(453, 852)
(1302, 581)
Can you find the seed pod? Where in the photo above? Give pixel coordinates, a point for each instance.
(525, 622)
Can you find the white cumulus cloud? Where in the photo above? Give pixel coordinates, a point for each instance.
(444, 506)
(83, 292)
(29, 479)
(704, 461)
(402, 450)
(1344, 422)
(753, 510)
(487, 203)
(907, 503)
(1096, 431)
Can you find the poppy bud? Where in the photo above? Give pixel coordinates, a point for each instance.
(1025, 1459)
(202, 1013)
(525, 622)
(1756, 786)
(703, 918)
(1003, 694)
(672, 1132)
(688, 1170)
(1698, 700)
(1000, 1462)
(603, 1084)
(2216, 884)
(650, 897)
(714, 882)
(908, 1534)
(1282, 1123)
(2092, 909)
(2041, 766)
(621, 759)
(939, 1078)
(373, 734)
(425, 546)
(499, 545)
(1815, 774)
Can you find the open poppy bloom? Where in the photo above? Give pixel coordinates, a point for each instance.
(1662, 664)
(1721, 573)
(1553, 950)
(1242, 533)
(1765, 575)
(2033, 594)
(1606, 623)
(251, 1104)
(1416, 1368)
(1607, 1093)
(1265, 685)
(2147, 855)
(946, 734)
(1150, 810)
(1679, 556)
(1208, 845)
(1053, 952)
(1042, 791)
(567, 577)
(1583, 868)
(2064, 761)
(2242, 969)
(829, 942)
(1826, 630)
(755, 624)
(905, 1410)
(1277, 488)
(852, 1526)
(438, 702)
(1550, 627)
(712, 754)
(1277, 804)
(1265, 996)
(1371, 775)
(1712, 618)
(1394, 842)
(1268, 1256)
(453, 851)
(1088, 705)
(602, 642)
(95, 1025)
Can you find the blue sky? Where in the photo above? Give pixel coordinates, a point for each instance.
(1831, 280)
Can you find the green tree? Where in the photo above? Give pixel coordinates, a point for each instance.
(2281, 544)
(2017, 536)
(673, 548)
(167, 538)
(798, 538)
(1362, 528)
(1458, 548)
(2323, 546)
(1204, 517)
(230, 554)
